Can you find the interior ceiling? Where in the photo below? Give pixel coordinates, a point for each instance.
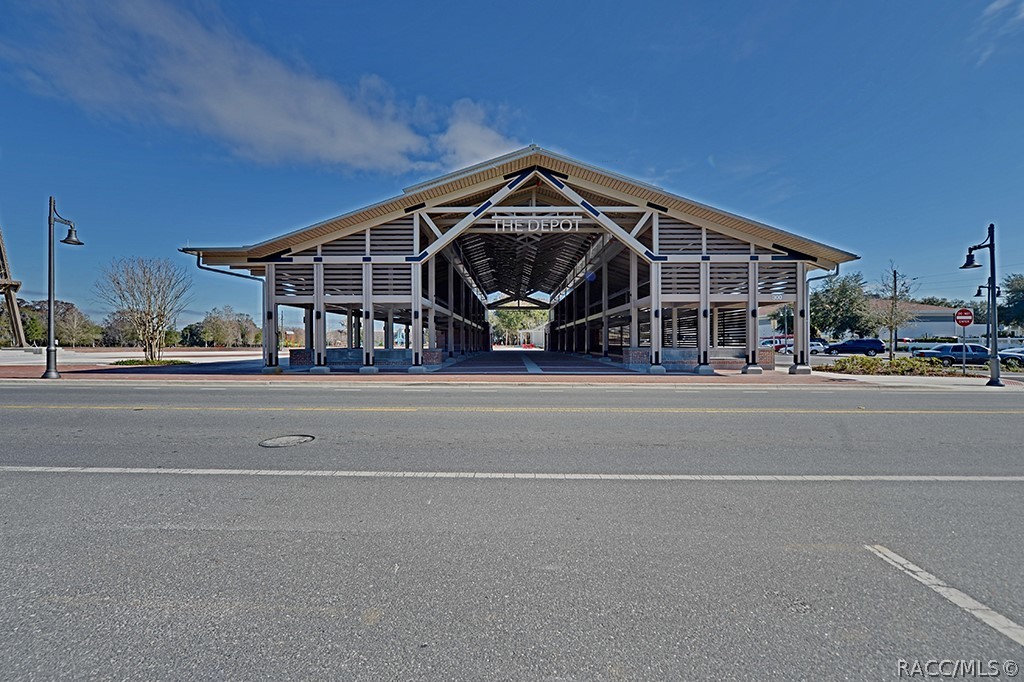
(520, 265)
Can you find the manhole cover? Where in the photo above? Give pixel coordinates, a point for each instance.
(285, 441)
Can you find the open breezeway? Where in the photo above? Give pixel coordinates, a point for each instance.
(545, 532)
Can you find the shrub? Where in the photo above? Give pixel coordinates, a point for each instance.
(899, 366)
(150, 363)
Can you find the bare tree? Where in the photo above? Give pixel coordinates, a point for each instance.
(149, 293)
(74, 327)
(895, 290)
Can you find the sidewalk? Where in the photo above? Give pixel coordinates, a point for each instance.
(249, 371)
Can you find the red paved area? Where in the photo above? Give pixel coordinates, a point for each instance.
(180, 373)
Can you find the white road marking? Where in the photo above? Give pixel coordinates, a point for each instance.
(818, 478)
(213, 389)
(531, 366)
(983, 613)
(348, 389)
(416, 390)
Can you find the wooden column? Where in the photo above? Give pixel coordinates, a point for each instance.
(752, 367)
(432, 295)
(450, 340)
(349, 330)
(586, 315)
(367, 321)
(634, 312)
(416, 343)
(704, 321)
(269, 318)
(319, 317)
(604, 309)
(656, 321)
(801, 324)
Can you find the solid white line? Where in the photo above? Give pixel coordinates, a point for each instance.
(983, 613)
(817, 478)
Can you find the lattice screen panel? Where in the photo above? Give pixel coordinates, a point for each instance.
(394, 238)
(732, 327)
(675, 236)
(352, 245)
(343, 280)
(682, 279)
(728, 278)
(392, 280)
(686, 328)
(776, 279)
(720, 243)
(293, 280)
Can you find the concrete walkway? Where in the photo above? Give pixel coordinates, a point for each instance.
(498, 367)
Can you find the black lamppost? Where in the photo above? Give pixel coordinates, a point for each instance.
(993, 353)
(51, 343)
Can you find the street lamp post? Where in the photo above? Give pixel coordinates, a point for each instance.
(51, 342)
(993, 316)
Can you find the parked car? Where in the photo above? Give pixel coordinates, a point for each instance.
(869, 347)
(815, 347)
(1013, 358)
(955, 353)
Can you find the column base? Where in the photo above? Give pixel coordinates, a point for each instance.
(606, 359)
(705, 370)
(417, 369)
(752, 369)
(320, 369)
(799, 369)
(368, 369)
(657, 369)
(276, 369)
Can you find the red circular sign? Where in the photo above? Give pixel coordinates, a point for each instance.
(964, 317)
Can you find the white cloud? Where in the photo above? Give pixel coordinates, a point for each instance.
(148, 61)
(999, 20)
(469, 139)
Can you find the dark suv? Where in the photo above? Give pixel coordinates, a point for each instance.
(869, 347)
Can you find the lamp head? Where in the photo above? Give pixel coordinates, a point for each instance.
(72, 237)
(970, 263)
(978, 294)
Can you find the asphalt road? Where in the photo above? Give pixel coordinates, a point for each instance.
(252, 576)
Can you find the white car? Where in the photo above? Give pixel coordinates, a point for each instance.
(815, 348)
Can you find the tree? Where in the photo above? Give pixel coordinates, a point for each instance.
(506, 324)
(782, 318)
(150, 293)
(192, 335)
(220, 327)
(35, 329)
(1012, 311)
(840, 307)
(895, 289)
(74, 328)
(117, 331)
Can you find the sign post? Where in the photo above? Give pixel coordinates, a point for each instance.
(964, 317)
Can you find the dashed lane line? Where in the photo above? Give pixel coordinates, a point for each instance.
(329, 473)
(610, 409)
(995, 620)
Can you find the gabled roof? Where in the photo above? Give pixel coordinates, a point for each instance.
(434, 193)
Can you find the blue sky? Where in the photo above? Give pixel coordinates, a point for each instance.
(892, 130)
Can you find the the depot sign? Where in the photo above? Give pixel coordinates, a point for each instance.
(536, 223)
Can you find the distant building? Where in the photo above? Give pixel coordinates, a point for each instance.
(929, 321)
